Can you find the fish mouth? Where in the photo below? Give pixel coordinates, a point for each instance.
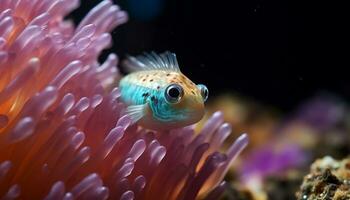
(196, 115)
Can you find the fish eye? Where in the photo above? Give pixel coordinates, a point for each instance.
(174, 93)
(204, 91)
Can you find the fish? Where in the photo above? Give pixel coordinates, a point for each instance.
(158, 95)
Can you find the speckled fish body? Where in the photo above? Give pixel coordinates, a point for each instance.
(145, 90)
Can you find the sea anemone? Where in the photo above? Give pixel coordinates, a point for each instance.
(63, 134)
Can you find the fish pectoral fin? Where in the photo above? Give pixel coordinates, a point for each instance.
(136, 112)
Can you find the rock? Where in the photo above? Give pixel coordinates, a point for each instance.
(329, 179)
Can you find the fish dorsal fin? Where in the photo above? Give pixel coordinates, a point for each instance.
(152, 61)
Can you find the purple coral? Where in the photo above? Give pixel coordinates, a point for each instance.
(321, 112)
(271, 160)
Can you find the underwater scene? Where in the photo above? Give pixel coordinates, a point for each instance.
(172, 100)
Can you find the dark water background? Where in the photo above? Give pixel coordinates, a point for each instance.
(274, 51)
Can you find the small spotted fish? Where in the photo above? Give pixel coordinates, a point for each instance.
(158, 95)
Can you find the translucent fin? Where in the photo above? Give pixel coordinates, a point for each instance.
(136, 112)
(152, 61)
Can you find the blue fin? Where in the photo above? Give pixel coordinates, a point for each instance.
(136, 112)
(152, 61)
